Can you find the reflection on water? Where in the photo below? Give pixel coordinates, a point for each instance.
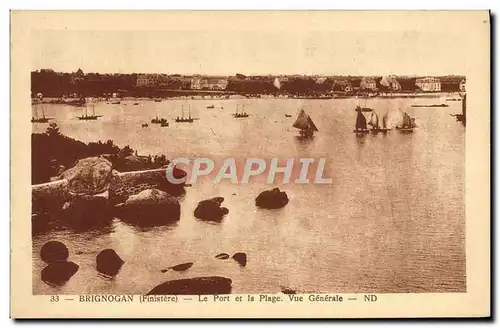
(392, 220)
(151, 226)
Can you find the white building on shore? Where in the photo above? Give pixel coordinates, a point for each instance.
(428, 84)
(368, 83)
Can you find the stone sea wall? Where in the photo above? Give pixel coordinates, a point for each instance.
(49, 196)
(130, 183)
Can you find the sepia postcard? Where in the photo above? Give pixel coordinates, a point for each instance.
(250, 164)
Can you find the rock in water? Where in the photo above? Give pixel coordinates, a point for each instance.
(58, 273)
(108, 262)
(241, 258)
(271, 199)
(288, 291)
(89, 176)
(210, 209)
(179, 267)
(87, 210)
(195, 286)
(222, 256)
(149, 206)
(54, 251)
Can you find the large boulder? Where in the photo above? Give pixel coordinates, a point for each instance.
(108, 262)
(241, 258)
(272, 199)
(83, 209)
(54, 251)
(89, 176)
(149, 205)
(212, 285)
(58, 273)
(210, 209)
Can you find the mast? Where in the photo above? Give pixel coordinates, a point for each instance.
(43, 112)
(182, 108)
(189, 108)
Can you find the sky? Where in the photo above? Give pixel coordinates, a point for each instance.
(227, 52)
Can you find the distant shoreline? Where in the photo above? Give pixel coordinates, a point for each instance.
(49, 100)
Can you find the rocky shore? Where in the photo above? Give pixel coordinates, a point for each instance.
(92, 192)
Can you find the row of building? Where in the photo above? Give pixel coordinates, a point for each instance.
(77, 81)
(390, 83)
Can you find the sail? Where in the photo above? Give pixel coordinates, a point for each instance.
(374, 120)
(311, 124)
(360, 121)
(407, 120)
(384, 120)
(301, 122)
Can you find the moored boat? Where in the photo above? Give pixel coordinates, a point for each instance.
(363, 109)
(36, 118)
(158, 120)
(183, 119)
(86, 116)
(240, 114)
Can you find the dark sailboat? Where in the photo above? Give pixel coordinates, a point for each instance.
(183, 119)
(158, 120)
(87, 117)
(240, 114)
(305, 125)
(360, 122)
